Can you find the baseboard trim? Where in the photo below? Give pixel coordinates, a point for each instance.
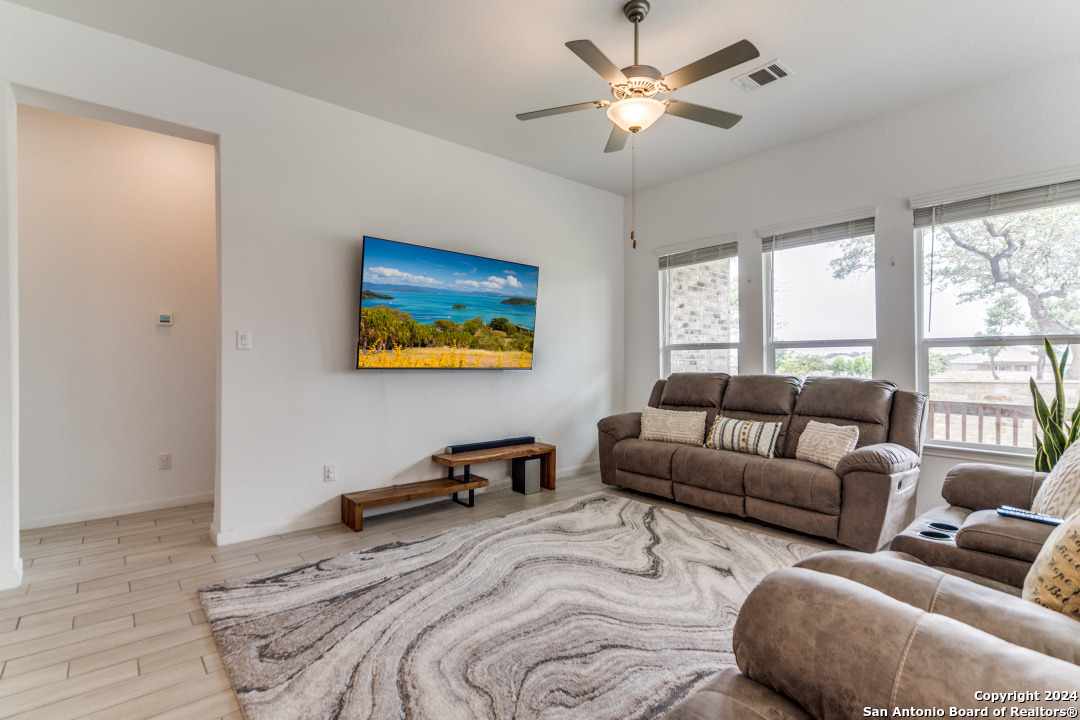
(254, 532)
(112, 510)
(12, 578)
(578, 470)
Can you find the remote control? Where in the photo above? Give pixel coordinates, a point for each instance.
(1010, 511)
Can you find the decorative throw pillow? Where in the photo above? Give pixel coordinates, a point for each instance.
(1059, 495)
(745, 436)
(824, 444)
(1054, 578)
(678, 426)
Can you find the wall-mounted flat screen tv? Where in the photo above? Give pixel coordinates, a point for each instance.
(426, 308)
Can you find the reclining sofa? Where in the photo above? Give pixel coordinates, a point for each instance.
(868, 499)
(848, 635)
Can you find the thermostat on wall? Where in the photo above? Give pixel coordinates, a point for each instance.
(165, 319)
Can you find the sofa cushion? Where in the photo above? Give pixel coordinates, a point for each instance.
(645, 457)
(843, 401)
(694, 391)
(716, 470)
(765, 398)
(986, 531)
(698, 390)
(674, 426)
(793, 482)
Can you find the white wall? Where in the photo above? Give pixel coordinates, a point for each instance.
(116, 225)
(301, 182)
(1015, 127)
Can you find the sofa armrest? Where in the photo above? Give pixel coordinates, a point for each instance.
(884, 458)
(733, 696)
(987, 532)
(835, 647)
(621, 427)
(984, 486)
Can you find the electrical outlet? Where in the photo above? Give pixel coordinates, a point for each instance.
(329, 473)
(164, 461)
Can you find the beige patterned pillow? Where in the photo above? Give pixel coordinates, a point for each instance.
(825, 444)
(678, 426)
(1054, 578)
(1059, 495)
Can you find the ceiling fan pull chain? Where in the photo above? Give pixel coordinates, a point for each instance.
(633, 188)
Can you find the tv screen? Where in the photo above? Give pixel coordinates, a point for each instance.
(427, 308)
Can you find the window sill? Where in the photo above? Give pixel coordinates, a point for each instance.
(976, 454)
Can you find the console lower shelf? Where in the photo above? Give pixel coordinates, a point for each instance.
(353, 504)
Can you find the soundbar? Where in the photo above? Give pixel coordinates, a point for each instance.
(490, 444)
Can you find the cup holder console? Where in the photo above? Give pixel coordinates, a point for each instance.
(935, 535)
(943, 527)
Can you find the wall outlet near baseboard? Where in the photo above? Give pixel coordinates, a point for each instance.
(164, 461)
(329, 473)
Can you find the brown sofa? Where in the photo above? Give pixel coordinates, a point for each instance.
(968, 535)
(863, 504)
(844, 631)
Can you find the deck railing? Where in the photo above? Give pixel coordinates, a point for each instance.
(977, 419)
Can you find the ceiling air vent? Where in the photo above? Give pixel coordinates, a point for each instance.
(767, 73)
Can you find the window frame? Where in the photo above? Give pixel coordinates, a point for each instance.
(925, 345)
(772, 344)
(666, 348)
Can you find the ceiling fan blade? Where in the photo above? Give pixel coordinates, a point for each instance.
(595, 59)
(719, 61)
(560, 110)
(617, 140)
(702, 114)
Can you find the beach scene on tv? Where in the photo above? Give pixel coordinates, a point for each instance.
(427, 308)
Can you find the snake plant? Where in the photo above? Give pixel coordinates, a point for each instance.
(1057, 434)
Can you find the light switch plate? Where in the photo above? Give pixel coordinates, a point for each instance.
(243, 339)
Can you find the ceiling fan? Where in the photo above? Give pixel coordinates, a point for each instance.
(635, 87)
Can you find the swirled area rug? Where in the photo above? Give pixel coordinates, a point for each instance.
(595, 608)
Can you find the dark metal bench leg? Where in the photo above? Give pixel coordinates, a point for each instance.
(459, 502)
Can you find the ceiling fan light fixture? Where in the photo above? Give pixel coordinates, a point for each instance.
(635, 114)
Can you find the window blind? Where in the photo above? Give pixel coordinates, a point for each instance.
(999, 204)
(700, 255)
(820, 234)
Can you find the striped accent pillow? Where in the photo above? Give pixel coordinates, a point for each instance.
(745, 436)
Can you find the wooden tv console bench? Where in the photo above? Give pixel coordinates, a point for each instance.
(353, 504)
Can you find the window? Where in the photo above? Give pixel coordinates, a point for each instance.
(820, 299)
(1000, 274)
(700, 310)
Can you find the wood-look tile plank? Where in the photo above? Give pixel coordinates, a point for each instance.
(166, 698)
(112, 695)
(182, 607)
(41, 645)
(208, 707)
(28, 681)
(174, 654)
(95, 646)
(69, 688)
(111, 602)
(134, 650)
(212, 661)
(31, 631)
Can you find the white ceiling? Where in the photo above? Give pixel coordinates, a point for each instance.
(462, 70)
